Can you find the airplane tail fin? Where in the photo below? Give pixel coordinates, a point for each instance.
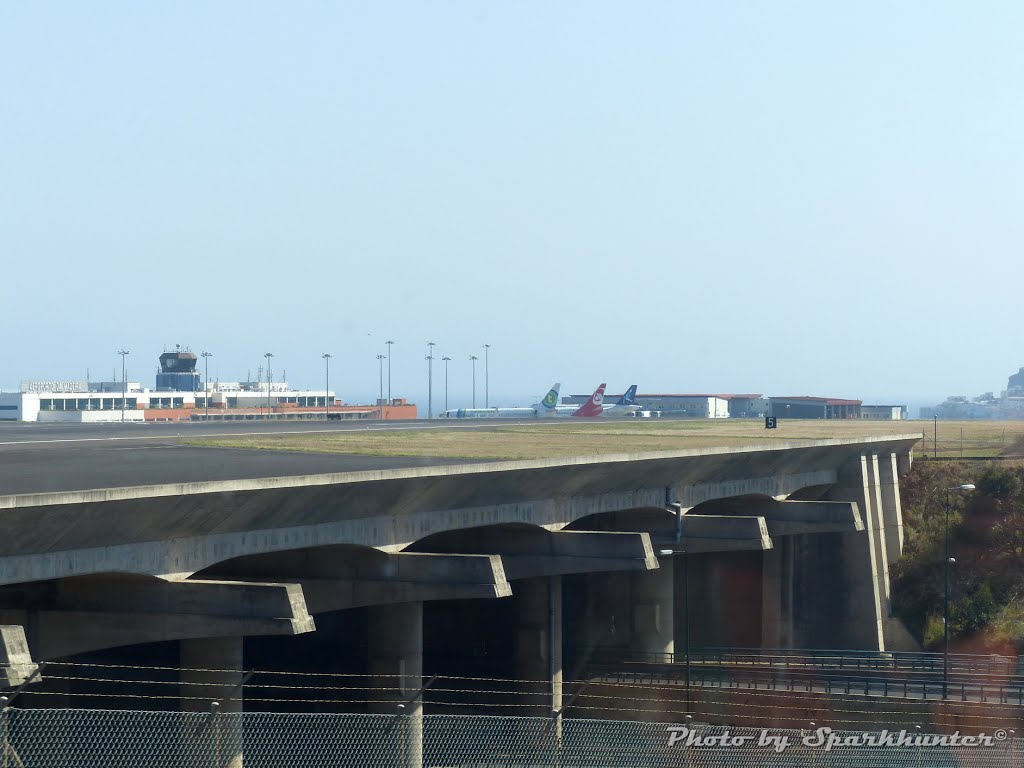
(594, 406)
(546, 407)
(629, 397)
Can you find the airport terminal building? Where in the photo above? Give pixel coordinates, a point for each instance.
(180, 395)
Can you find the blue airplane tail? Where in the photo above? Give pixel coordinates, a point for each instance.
(629, 397)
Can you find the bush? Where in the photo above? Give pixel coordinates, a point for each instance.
(986, 536)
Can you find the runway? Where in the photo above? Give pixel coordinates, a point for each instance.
(21, 433)
(47, 458)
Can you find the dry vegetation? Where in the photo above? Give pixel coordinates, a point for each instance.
(561, 438)
(573, 438)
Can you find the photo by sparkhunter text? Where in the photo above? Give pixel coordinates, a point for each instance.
(826, 739)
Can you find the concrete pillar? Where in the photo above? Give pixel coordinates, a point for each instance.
(653, 611)
(539, 639)
(892, 509)
(852, 578)
(211, 670)
(15, 660)
(395, 635)
(777, 593)
(878, 532)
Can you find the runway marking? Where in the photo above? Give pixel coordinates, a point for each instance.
(375, 428)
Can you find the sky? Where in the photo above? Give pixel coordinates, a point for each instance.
(784, 198)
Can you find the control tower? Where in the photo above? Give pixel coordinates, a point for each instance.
(178, 372)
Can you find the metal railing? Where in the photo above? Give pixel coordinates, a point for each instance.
(990, 666)
(819, 682)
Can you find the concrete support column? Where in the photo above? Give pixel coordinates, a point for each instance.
(653, 609)
(395, 635)
(777, 592)
(211, 670)
(878, 530)
(892, 509)
(854, 580)
(539, 638)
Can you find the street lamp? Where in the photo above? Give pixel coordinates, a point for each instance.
(206, 385)
(677, 508)
(389, 343)
(430, 379)
(327, 385)
(124, 381)
(487, 376)
(270, 378)
(380, 400)
(945, 591)
(446, 359)
(474, 359)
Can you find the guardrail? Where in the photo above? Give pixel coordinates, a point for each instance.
(788, 680)
(991, 666)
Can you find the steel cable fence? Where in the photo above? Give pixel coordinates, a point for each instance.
(69, 738)
(657, 695)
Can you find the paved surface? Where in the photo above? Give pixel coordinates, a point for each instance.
(45, 458)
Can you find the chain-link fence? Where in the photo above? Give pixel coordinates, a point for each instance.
(68, 738)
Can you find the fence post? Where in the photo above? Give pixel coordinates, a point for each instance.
(5, 728)
(689, 725)
(215, 731)
(812, 727)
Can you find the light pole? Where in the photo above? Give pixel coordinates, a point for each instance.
(389, 343)
(206, 385)
(487, 376)
(270, 378)
(474, 359)
(327, 385)
(446, 359)
(124, 380)
(945, 591)
(430, 379)
(380, 400)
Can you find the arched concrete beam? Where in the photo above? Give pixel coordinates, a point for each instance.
(84, 614)
(340, 577)
(529, 552)
(694, 533)
(790, 518)
(16, 665)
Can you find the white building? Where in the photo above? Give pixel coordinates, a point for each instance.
(148, 405)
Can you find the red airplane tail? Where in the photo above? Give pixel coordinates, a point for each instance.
(594, 406)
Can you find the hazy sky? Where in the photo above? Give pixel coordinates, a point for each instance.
(787, 198)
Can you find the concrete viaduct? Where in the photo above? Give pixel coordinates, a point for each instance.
(788, 544)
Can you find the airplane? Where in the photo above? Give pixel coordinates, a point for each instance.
(593, 407)
(546, 407)
(624, 406)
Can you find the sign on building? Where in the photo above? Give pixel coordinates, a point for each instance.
(54, 385)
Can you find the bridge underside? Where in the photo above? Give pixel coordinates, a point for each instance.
(510, 570)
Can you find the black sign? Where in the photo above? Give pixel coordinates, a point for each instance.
(770, 422)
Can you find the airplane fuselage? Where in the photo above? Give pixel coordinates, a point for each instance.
(492, 413)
